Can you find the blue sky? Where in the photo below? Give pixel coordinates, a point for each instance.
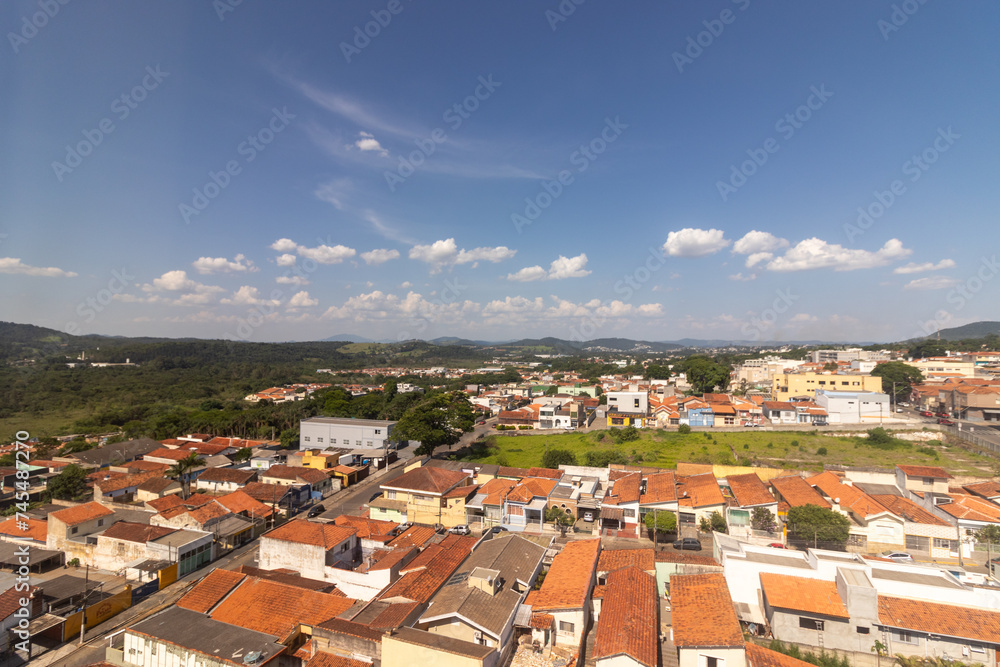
(268, 171)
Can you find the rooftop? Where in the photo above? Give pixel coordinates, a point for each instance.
(628, 622)
(703, 612)
(941, 619)
(813, 596)
(568, 580)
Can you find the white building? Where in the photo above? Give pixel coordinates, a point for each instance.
(854, 407)
(325, 432)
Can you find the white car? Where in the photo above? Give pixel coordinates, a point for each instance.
(898, 556)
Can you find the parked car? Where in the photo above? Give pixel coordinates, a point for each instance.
(750, 424)
(588, 517)
(946, 421)
(496, 530)
(316, 510)
(375, 495)
(898, 556)
(461, 529)
(481, 422)
(777, 545)
(688, 544)
(926, 413)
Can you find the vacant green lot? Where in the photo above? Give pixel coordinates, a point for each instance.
(797, 451)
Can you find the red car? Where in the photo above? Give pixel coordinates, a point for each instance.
(945, 421)
(926, 413)
(777, 545)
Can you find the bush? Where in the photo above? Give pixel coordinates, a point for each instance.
(795, 443)
(821, 451)
(746, 446)
(504, 427)
(929, 451)
(683, 429)
(553, 458)
(525, 427)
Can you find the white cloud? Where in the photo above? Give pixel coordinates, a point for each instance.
(368, 142)
(292, 280)
(755, 241)
(284, 245)
(446, 253)
(528, 274)
(742, 278)
(559, 269)
(931, 282)
(302, 300)
(379, 256)
(379, 305)
(815, 253)
(569, 267)
(322, 254)
(758, 257)
(286, 260)
(651, 309)
(804, 317)
(333, 192)
(690, 242)
(406, 284)
(514, 304)
(239, 264)
(249, 296)
(188, 292)
(14, 265)
(913, 267)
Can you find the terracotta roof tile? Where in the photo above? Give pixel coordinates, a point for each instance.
(366, 527)
(702, 611)
(972, 508)
(277, 609)
(37, 530)
(616, 559)
(393, 616)
(700, 491)
(660, 488)
(428, 480)
(212, 588)
(924, 471)
(420, 585)
(624, 490)
(989, 489)
(73, 516)
(165, 503)
(239, 502)
(137, 532)
(324, 535)
(941, 619)
(797, 492)
(568, 581)
(542, 621)
(813, 596)
(628, 624)
(909, 510)
(324, 659)
(686, 557)
(759, 656)
(749, 490)
(10, 600)
(227, 475)
(846, 495)
(414, 536)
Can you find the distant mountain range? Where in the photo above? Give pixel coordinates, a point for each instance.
(972, 330)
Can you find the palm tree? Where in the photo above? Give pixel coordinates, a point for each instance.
(182, 469)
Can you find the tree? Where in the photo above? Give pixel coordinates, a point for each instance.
(242, 454)
(182, 471)
(657, 372)
(683, 429)
(762, 518)
(815, 524)
(704, 375)
(926, 348)
(718, 522)
(437, 421)
(559, 517)
(289, 438)
(553, 458)
(831, 366)
(661, 521)
(899, 375)
(68, 484)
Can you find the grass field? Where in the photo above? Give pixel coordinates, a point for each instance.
(795, 451)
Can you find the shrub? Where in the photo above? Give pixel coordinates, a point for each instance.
(795, 443)
(684, 429)
(821, 451)
(746, 446)
(525, 427)
(553, 458)
(770, 445)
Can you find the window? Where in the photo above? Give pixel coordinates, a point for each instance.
(810, 623)
(635, 403)
(977, 649)
(333, 441)
(863, 630)
(306, 438)
(344, 546)
(357, 443)
(941, 544)
(928, 481)
(566, 626)
(378, 431)
(917, 543)
(319, 439)
(712, 661)
(73, 530)
(100, 522)
(904, 637)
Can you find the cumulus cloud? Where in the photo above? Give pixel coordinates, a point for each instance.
(378, 305)
(514, 304)
(559, 269)
(321, 254)
(913, 267)
(249, 296)
(302, 300)
(689, 242)
(815, 253)
(239, 264)
(756, 241)
(14, 265)
(804, 317)
(286, 260)
(185, 291)
(931, 283)
(742, 278)
(292, 280)
(446, 253)
(368, 142)
(379, 256)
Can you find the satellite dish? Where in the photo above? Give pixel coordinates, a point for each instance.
(252, 658)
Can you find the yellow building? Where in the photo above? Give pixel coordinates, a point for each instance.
(432, 495)
(790, 385)
(312, 458)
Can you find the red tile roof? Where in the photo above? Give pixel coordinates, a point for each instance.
(749, 490)
(924, 471)
(74, 516)
(37, 530)
(277, 609)
(628, 624)
(164, 453)
(10, 600)
(324, 535)
(847, 496)
(660, 488)
(909, 510)
(797, 492)
(137, 532)
(166, 502)
(435, 481)
(568, 581)
(421, 585)
(702, 612)
(366, 527)
(616, 559)
(813, 596)
(758, 656)
(972, 508)
(940, 619)
(239, 502)
(699, 491)
(212, 588)
(414, 536)
(624, 490)
(985, 489)
(292, 473)
(324, 659)
(227, 476)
